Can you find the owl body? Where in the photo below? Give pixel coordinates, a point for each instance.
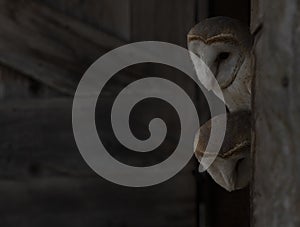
(224, 45)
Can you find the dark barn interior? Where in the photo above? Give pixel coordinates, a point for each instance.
(45, 47)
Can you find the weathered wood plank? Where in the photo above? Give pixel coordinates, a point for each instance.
(276, 198)
(14, 85)
(47, 45)
(45, 140)
(44, 181)
(112, 16)
(168, 20)
(94, 202)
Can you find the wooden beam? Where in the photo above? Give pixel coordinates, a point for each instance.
(112, 16)
(276, 185)
(14, 85)
(47, 45)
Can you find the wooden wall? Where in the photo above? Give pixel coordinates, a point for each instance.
(45, 46)
(276, 157)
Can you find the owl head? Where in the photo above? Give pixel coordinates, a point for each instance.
(224, 45)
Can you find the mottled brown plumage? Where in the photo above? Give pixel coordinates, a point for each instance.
(221, 29)
(237, 136)
(224, 45)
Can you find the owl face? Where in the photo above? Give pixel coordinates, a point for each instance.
(221, 58)
(232, 167)
(230, 63)
(224, 45)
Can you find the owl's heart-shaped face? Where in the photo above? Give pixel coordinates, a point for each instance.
(231, 65)
(221, 58)
(224, 45)
(231, 168)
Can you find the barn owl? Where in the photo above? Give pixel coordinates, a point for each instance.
(224, 45)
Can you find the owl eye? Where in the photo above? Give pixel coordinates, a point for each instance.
(223, 55)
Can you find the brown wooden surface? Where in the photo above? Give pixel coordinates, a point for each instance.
(168, 20)
(111, 16)
(44, 181)
(276, 198)
(15, 85)
(45, 46)
(49, 46)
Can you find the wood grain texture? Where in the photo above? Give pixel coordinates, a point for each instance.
(276, 198)
(14, 86)
(92, 202)
(45, 181)
(168, 20)
(48, 46)
(112, 16)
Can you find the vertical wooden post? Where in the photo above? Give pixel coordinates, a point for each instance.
(276, 186)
